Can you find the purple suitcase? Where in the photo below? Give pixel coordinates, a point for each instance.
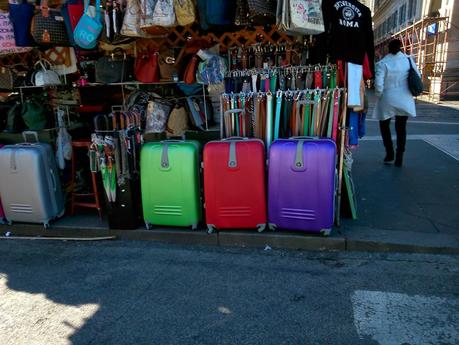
(301, 184)
(2, 213)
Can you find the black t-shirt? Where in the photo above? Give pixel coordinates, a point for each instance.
(349, 28)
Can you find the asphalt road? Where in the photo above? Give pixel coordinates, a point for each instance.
(123, 292)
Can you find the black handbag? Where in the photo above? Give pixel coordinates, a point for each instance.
(48, 27)
(115, 68)
(414, 81)
(262, 12)
(242, 13)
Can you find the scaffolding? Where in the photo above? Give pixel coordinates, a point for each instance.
(427, 42)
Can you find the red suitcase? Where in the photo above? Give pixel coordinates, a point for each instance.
(234, 184)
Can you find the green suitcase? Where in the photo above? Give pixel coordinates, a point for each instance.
(170, 182)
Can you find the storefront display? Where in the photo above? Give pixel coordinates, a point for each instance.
(141, 82)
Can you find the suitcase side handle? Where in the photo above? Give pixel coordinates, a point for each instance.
(26, 134)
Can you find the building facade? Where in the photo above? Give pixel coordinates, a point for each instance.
(428, 31)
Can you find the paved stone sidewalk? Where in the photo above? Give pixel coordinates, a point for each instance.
(417, 204)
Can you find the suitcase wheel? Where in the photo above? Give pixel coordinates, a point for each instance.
(325, 232)
(261, 227)
(147, 225)
(46, 225)
(211, 228)
(194, 227)
(272, 227)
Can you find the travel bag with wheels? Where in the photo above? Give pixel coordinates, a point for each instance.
(30, 187)
(234, 184)
(169, 179)
(2, 213)
(301, 184)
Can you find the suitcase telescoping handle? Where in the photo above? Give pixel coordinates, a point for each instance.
(304, 137)
(165, 152)
(27, 134)
(235, 139)
(172, 141)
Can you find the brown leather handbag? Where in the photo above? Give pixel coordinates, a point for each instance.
(169, 63)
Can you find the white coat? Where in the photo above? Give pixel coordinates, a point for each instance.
(391, 86)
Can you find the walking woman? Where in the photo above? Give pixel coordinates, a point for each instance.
(394, 99)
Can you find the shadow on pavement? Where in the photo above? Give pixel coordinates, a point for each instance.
(151, 294)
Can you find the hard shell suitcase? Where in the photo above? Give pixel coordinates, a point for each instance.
(301, 184)
(234, 184)
(29, 184)
(2, 213)
(169, 178)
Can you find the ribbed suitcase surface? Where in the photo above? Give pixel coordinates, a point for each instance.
(301, 185)
(234, 184)
(30, 187)
(169, 177)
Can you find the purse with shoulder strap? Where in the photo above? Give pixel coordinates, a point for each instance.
(48, 27)
(89, 27)
(414, 81)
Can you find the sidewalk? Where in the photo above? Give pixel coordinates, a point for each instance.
(412, 209)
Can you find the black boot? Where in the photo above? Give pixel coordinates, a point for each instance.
(398, 159)
(384, 126)
(389, 159)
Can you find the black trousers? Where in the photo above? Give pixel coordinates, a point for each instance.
(400, 129)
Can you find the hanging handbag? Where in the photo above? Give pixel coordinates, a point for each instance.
(62, 59)
(303, 17)
(72, 10)
(131, 20)
(242, 13)
(185, 12)
(89, 27)
(21, 17)
(414, 81)
(262, 12)
(114, 68)
(7, 78)
(146, 67)
(157, 13)
(48, 27)
(45, 76)
(7, 42)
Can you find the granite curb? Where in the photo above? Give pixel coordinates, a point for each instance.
(248, 239)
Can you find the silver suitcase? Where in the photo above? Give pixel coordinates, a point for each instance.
(29, 183)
